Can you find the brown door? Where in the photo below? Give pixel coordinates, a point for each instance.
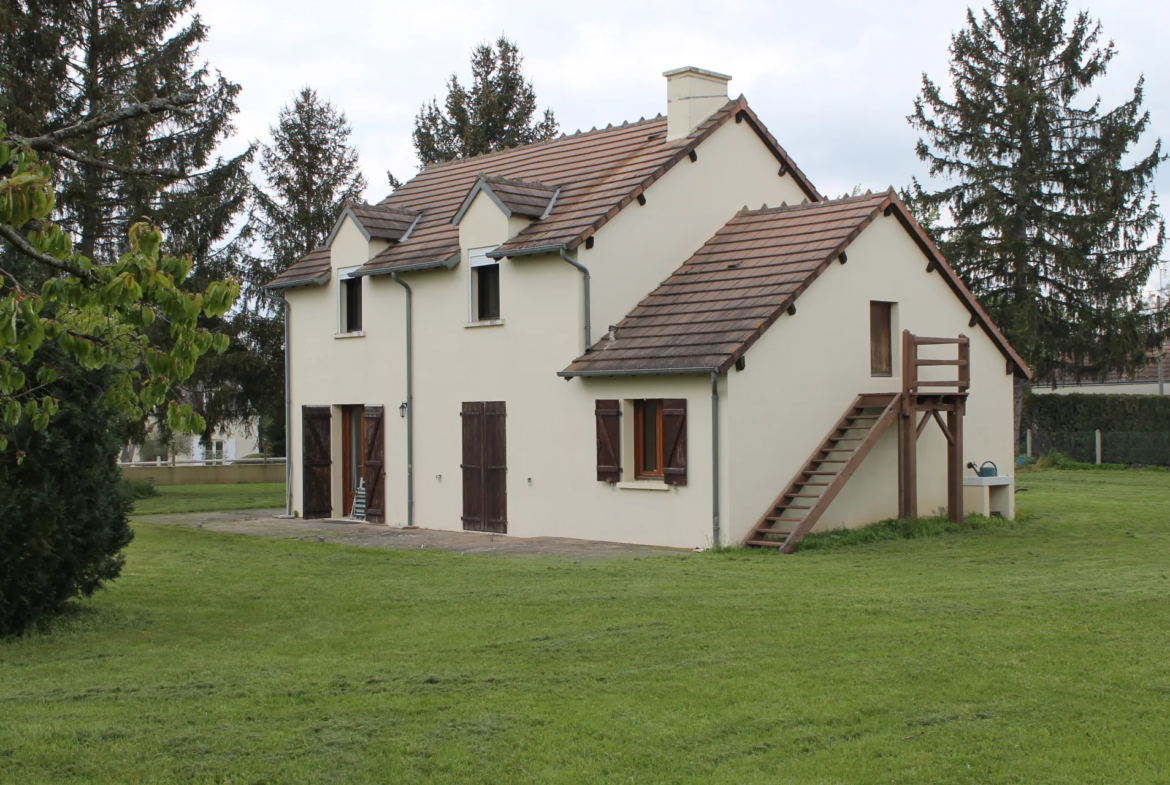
(352, 454)
(375, 468)
(485, 467)
(316, 462)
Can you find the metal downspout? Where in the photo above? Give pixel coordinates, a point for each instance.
(585, 272)
(409, 401)
(287, 412)
(715, 459)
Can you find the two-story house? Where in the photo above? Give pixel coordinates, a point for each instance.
(643, 334)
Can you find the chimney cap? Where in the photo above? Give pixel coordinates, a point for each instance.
(690, 69)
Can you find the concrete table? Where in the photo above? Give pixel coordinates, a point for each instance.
(990, 495)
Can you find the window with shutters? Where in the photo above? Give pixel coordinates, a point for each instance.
(881, 349)
(349, 303)
(483, 301)
(660, 440)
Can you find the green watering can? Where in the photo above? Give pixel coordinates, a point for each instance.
(988, 469)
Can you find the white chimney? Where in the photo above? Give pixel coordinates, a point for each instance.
(692, 95)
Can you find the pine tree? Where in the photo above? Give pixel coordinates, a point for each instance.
(310, 170)
(69, 60)
(495, 113)
(1047, 220)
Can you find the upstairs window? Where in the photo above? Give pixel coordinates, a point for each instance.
(350, 305)
(484, 299)
(881, 354)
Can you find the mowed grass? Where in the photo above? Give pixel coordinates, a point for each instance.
(175, 499)
(1029, 654)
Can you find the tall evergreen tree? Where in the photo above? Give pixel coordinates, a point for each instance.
(65, 61)
(1049, 221)
(495, 113)
(310, 170)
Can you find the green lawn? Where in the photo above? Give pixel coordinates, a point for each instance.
(173, 499)
(1038, 653)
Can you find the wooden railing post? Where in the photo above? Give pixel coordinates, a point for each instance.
(907, 431)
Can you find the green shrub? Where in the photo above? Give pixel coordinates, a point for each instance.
(139, 489)
(63, 511)
(1090, 412)
(896, 529)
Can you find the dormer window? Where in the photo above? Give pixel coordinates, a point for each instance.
(484, 287)
(349, 306)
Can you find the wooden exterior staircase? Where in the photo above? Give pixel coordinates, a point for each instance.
(814, 487)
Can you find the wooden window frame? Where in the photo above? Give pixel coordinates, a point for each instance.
(639, 440)
(874, 369)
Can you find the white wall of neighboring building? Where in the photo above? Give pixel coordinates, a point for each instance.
(808, 368)
(1115, 388)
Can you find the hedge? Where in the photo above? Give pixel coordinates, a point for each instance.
(1135, 428)
(1088, 412)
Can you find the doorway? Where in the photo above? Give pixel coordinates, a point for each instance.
(352, 455)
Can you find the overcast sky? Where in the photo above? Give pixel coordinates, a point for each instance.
(833, 80)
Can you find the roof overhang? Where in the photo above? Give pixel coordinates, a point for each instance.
(480, 187)
(640, 372)
(432, 264)
(319, 280)
(534, 251)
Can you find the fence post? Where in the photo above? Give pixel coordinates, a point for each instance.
(1098, 446)
(1029, 442)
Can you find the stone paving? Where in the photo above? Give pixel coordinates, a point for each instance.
(266, 523)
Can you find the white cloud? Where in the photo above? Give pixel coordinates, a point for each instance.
(833, 80)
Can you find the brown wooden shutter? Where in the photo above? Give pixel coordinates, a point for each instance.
(495, 470)
(880, 347)
(473, 466)
(316, 461)
(609, 429)
(375, 474)
(674, 441)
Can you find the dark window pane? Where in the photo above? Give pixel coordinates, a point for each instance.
(353, 304)
(488, 286)
(650, 436)
(880, 340)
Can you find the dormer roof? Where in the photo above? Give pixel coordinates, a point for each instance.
(514, 197)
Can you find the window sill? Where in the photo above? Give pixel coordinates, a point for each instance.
(643, 485)
(355, 334)
(485, 323)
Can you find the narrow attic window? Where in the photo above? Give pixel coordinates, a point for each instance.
(484, 287)
(881, 353)
(349, 302)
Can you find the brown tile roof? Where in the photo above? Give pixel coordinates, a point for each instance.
(1147, 374)
(598, 173)
(517, 197)
(711, 310)
(314, 268)
(383, 222)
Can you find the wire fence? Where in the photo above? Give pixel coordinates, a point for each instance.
(1134, 448)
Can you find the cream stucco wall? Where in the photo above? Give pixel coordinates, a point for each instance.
(804, 372)
(643, 244)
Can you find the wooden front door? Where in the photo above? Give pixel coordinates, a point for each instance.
(375, 464)
(485, 467)
(317, 465)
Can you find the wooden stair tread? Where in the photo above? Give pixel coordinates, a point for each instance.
(868, 429)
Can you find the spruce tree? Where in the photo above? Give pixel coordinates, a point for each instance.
(1049, 215)
(65, 61)
(495, 113)
(310, 171)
